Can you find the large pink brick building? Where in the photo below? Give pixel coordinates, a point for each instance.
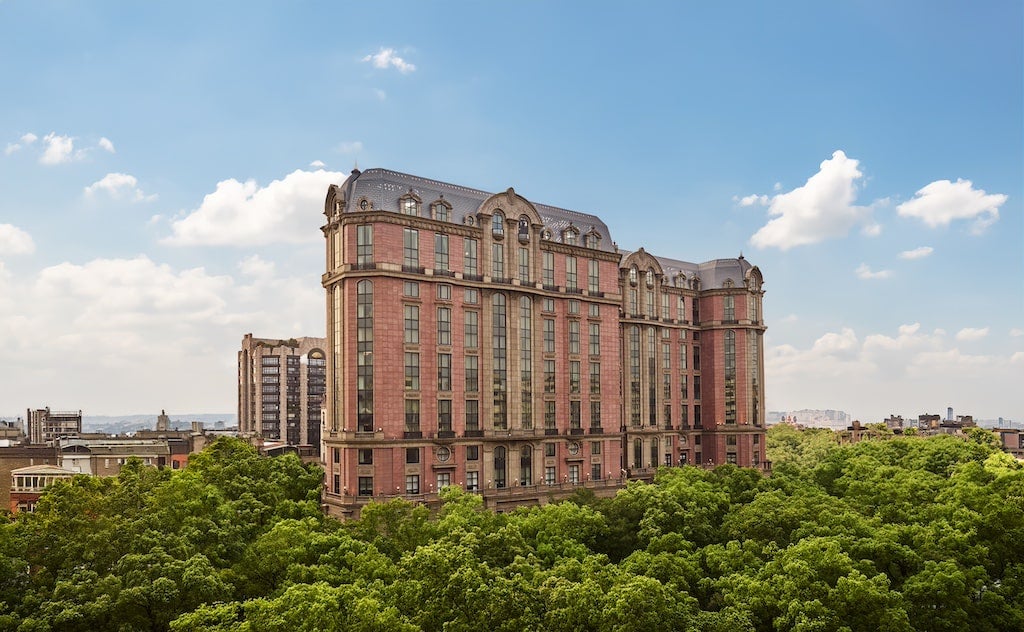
(511, 348)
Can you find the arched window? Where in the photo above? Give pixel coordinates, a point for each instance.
(409, 204)
(633, 274)
(524, 229)
(650, 277)
(498, 225)
(441, 210)
(526, 465)
(364, 355)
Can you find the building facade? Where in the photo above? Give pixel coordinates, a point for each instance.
(281, 385)
(511, 348)
(45, 425)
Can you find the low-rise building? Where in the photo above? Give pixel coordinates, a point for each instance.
(27, 484)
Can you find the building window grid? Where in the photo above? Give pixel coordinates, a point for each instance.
(410, 248)
(593, 276)
(444, 326)
(441, 252)
(470, 259)
(364, 244)
(412, 324)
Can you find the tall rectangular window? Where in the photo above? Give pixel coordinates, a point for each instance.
(696, 387)
(666, 356)
(472, 374)
(444, 415)
(412, 371)
(729, 308)
(524, 265)
(665, 306)
(595, 339)
(593, 276)
(570, 273)
(444, 372)
(412, 415)
(412, 483)
(472, 337)
(574, 336)
(682, 356)
(549, 335)
(472, 414)
(681, 308)
(595, 414)
(444, 326)
(470, 259)
(684, 389)
(595, 378)
(410, 249)
(574, 376)
(549, 376)
(548, 269)
(549, 417)
(574, 414)
(412, 324)
(498, 261)
(696, 358)
(441, 252)
(364, 244)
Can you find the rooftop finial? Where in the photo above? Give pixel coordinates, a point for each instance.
(355, 167)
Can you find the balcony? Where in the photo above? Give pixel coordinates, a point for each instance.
(444, 273)
(551, 431)
(364, 266)
(550, 288)
(596, 430)
(473, 433)
(445, 434)
(575, 431)
(413, 269)
(472, 277)
(573, 290)
(412, 434)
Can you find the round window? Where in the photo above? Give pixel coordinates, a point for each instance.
(574, 448)
(444, 453)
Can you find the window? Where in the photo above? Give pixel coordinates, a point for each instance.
(470, 260)
(472, 481)
(412, 415)
(573, 306)
(574, 376)
(524, 265)
(366, 486)
(549, 414)
(548, 305)
(472, 414)
(410, 249)
(593, 276)
(574, 336)
(549, 335)
(730, 377)
(364, 356)
(444, 479)
(684, 391)
(695, 306)
(444, 325)
(730, 457)
(549, 475)
(666, 356)
(411, 289)
(549, 376)
(471, 340)
(595, 339)
(666, 386)
(634, 309)
(524, 229)
(570, 236)
(498, 261)
(638, 453)
(472, 453)
(409, 205)
(729, 308)
(444, 372)
(499, 467)
(472, 374)
(364, 456)
(632, 275)
(595, 414)
(665, 307)
(412, 483)
(412, 324)
(682, 357)
(498, 225)
(549, 450)
(696, 356)
(681, 308)
(444, 292)
(499, 346)
(595, 378)
(574, 414)
(412, 455)
(696, 387)
(526, 465)
(364, 245)
(441, 211)
(412, 371)
(595, 471)
(444, 415)
(570, 273)
(441, 252)
(574, 473)
(594, 310)
(472, 296)
(548, 269)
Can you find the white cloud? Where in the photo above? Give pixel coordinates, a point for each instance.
(134, 335)
(59, 149)
(823, 208)
(317, 164)
(1017, 332)
(15, 241)
(106, 145)
(872, 229)
(942, 201)
(917, 253)
(24, 141)
(910, 373)
(119, 185)
(351, 147)
(386, 57)
(245, 214)
(971, 333)
(753, 199)
(256, 266)
(864, 271)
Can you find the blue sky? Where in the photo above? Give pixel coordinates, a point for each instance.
(163, 169)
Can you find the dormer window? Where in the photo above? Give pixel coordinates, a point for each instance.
(650, 277)
(524, 229)
(409, 204)
(592, 239)
(497, 225)
(441, 211)
(728, 283)
(633, 275)
(570, 236)
(545, 234)
(364, 204)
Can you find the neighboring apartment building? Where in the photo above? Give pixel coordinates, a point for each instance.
(27, 484)
(105, 456)
(281, 384)
(508, 347)
(45, 425)
(15, 457)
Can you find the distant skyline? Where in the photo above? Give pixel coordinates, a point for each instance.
(163, 170)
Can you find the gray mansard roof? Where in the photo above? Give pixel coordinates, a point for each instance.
(383, 188)
(712, 274)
